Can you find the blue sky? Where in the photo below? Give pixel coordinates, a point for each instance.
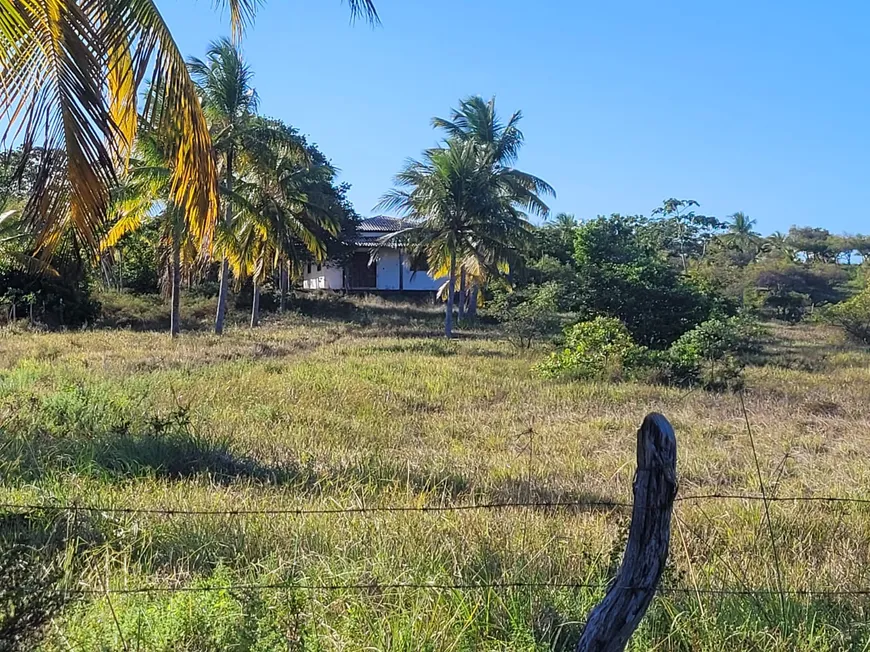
(753, 106)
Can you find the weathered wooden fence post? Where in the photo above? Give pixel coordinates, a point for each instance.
(612, 622)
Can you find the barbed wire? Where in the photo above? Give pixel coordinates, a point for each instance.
(466, 586)
(364, 509)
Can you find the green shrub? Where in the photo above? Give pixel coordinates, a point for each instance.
(55, 301)
(713, 354)
(853, 316)
(530, 315)
(623, 273)
(596, 349)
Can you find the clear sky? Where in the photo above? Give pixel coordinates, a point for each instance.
(755, 106)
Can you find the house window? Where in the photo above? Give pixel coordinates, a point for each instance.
(309, 268)
(419, 264)
(319, 267)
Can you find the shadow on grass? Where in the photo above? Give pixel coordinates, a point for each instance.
(544, 498)
(169, 448)
(554, 631)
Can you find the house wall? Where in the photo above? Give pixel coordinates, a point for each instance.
(388, 270)
(328, 278)
(420, 280)
(388, 274)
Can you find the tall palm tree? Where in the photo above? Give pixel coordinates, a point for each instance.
(224, 83)
(70, 76)
(741, 235)
(476, 120)
(145, 194)
(288, 212)
(461, 204)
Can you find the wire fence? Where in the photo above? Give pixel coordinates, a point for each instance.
(381, 588)
(373, 509)
(372, 587)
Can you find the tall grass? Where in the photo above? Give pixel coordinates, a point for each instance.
(313, 411)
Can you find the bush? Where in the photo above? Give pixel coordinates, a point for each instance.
(789, 290)
(853, 316)
(63, 300)
(713, 354)
(529, 315)
(622, 273)
(598, 349)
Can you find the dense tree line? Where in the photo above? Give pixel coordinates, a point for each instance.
(684, 266)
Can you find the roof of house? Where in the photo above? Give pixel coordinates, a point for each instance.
(382, 224)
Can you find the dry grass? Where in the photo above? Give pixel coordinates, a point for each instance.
(319, 412)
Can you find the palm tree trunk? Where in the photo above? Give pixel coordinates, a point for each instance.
(222, 297)
(225, 264)
(472, 302)
(255, 305)
(283, 281)
(462, 294)
(451, 290)
(175, 315)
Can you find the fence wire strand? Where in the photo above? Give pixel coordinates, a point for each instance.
(363, 509)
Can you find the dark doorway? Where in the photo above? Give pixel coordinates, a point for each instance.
(363, 276)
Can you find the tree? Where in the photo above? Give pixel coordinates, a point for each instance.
(224, 84)
(778, 244)
(682, 232)
(742, 239)
(812, 244)
(145, 196)
(476, 120)
(459, 204)
(623, 274)
(290, 209)
(70, 76)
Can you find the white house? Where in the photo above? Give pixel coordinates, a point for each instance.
(389, 269)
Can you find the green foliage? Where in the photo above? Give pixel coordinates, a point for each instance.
(54, 301)
(853, 316)
(712, 354)
(30, 596)
(623, 275)
(213, 619)
(467, 205)
(598, 349)
(528, 315)
(680, 231)
(790, 288)
(137, 261)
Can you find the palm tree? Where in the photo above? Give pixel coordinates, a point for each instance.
(146, 187)
(462, 205)
(70, 76)
(476, 120)
(224, 83)
(565, 222)
(288, 210)
(778, 243)
(741, 235)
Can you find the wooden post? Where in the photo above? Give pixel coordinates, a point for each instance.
(613, 621)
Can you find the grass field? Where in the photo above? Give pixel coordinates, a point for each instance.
(322, 413)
